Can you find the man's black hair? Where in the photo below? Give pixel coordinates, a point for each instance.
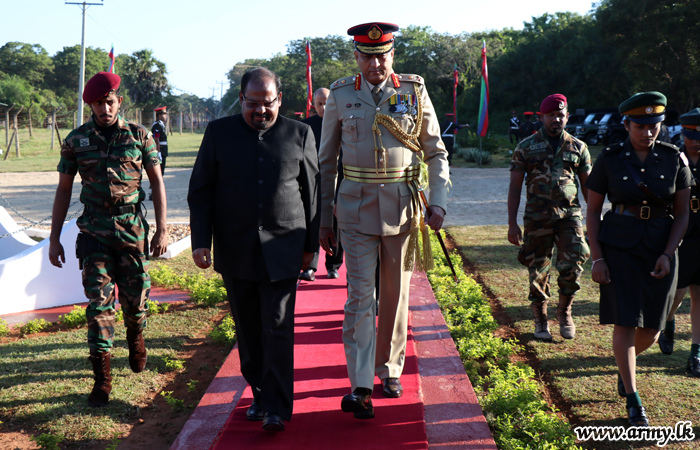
(260, 74)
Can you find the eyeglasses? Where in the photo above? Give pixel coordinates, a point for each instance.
(255, 104)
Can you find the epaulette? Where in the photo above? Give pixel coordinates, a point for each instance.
(667, 146)
(411, 78)
(614, 147)
(347, 81)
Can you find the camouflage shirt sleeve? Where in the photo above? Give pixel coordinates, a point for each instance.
(68, 163)
(150, 153)
(518, 163)
(585, 165)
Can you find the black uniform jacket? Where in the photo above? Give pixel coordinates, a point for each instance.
(663, 171)
(258, 195)
(316, 123)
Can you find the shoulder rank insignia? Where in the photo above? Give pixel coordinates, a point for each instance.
(358, 82)
(395, 79)
(684, 159)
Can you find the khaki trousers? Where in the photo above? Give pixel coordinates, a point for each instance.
(375, 345)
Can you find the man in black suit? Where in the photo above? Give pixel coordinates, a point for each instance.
(333, 260)
(255, 191)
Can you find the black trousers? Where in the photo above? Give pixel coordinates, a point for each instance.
(264, 316)
(334, 261)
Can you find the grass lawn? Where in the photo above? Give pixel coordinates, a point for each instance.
(583, 369)
(36, 154)
(45, 378)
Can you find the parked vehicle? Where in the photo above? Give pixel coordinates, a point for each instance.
(611, 129)
(574, 121)
(588, 130)
(676, 136)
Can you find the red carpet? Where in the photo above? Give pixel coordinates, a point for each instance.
(320, 381)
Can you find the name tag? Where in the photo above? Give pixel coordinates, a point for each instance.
(537, 146)
(85, 149)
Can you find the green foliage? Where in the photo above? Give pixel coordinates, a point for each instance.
(153, 307)
(119, 315)
(175, 404)
(192, 385)
(203, 291)
(174, 364)
(474, 155)
(114, 443)
(47, 441)
(74, 319)
(33, 326)
(29, 62)
(513, 404)
(4, 328)
(144, 78)
(224, 333)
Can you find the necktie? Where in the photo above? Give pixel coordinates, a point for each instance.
(376, 94)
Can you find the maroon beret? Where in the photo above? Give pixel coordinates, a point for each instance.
(100, 85)
(555, 102)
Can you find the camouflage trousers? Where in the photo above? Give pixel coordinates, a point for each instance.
(540, 237)
(119, 261)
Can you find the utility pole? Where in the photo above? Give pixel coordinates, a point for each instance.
(81, 82)
(221, 97)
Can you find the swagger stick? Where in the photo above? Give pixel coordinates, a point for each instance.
(439, 236)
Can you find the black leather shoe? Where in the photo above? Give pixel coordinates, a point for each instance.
(391, 387)
(272, 422)
(333, 274)
(694, 366)
(359, 403)
(307, 275)
(638, 416)
(666, 342)
(620, 386)
(255, 412)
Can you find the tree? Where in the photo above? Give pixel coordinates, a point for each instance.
(144, 77)
(66, 73)
(30, 62)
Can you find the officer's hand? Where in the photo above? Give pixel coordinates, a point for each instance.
(600, 273)
(515, 235)
(306, 260)
(159, 243)
(326, 234)
(662, 267)
(56, 255)
(202, 258)
(437, 217)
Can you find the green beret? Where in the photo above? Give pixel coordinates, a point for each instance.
(690, 124)
(644, 107)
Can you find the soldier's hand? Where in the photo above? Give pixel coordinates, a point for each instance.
(515, 235)
(159, 243)
(202, 258)
(306, 260)
(662, 267)
(437, 217)
(56, 255)
(326, 234)
(600, 273)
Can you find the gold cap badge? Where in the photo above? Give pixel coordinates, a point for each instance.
(374, 33)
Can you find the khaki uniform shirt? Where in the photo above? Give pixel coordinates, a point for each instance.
(376, 209)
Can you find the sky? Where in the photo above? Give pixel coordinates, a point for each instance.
(201, 40)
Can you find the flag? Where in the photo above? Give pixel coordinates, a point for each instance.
(309, 92)
(111, 60)
(454, 99)
(484, 102)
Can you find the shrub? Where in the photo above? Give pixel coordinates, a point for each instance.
(174, 364)
(33, 326)
(74, 319)
(224, 333)
(48, 441)
(203, 291)
(175, 404)
(4, 328)
(473, 155)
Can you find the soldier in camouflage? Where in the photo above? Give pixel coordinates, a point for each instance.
(552, 159)
(110, 154)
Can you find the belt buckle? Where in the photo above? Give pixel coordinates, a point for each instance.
(695, 204)
(644, 212)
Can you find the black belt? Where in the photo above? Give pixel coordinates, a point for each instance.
(114, 210)
(694, 204)
(640, 211)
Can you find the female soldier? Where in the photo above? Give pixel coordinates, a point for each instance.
(689, 251)
(634, 248)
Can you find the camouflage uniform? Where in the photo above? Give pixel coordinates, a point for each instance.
(111, 177)
(552, 212)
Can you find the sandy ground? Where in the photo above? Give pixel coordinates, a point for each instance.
(476, 197)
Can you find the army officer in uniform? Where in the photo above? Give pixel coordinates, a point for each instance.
(385, 124)
(634, 248)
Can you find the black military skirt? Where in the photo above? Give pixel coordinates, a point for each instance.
(634, 298)
(689, 260)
